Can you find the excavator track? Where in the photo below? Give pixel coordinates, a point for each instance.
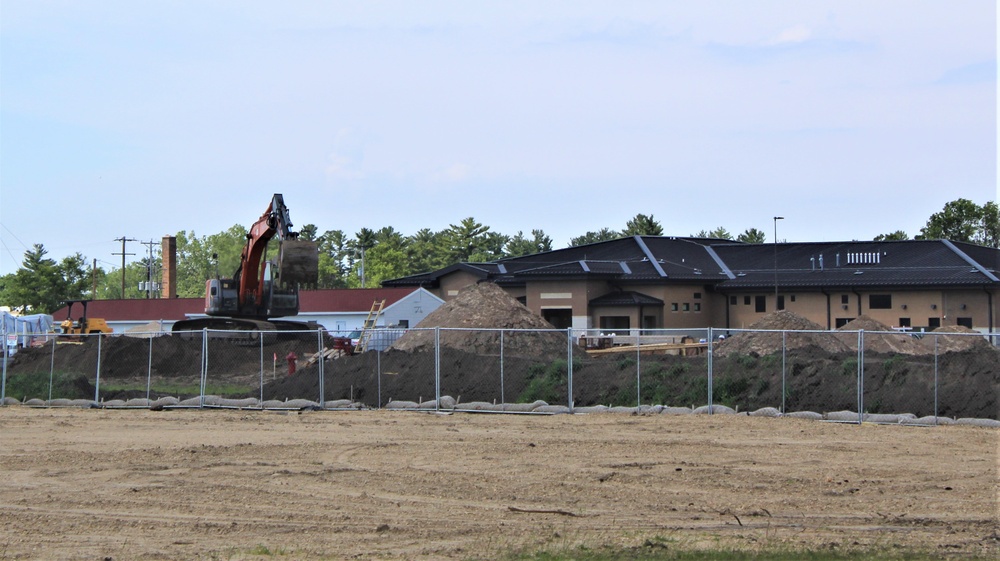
(241, 331)
(233, 330)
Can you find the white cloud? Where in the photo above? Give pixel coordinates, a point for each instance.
(791, 35)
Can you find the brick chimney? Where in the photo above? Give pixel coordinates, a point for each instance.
(168, 252)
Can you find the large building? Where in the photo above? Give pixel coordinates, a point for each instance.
(650, 282)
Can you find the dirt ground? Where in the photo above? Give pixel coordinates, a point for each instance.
(190, 484)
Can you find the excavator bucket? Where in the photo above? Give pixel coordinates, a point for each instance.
(298, 262)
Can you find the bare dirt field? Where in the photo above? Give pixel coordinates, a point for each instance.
(190, 484)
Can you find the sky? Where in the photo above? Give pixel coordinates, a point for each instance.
(849, 119)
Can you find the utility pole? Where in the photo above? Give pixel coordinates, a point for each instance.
(123, 239)
(149, 268)
(93, 280)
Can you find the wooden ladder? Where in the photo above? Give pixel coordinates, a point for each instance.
(368, 329)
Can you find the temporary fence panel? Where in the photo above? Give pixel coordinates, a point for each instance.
(848, 375)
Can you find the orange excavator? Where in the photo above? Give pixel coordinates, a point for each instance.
(259, 291)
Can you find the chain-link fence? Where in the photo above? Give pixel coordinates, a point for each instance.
(849, 376)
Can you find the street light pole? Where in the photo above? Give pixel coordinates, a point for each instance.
(776, 219)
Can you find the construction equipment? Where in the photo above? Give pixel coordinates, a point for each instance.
(260, 290)
(73, 329)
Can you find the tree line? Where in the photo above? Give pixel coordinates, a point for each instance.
(369, 257)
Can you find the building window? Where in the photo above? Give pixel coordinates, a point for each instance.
(760, 304)
(687, 307)
(746, 300)
(904, 322)
(880, 301)
(697, 306)
(673, 307)
(403, 323)
(781, 302)
(933, 323)
(697, 296)
(964, 322)
(523, 300)
(792, 297)
(732, 300)
(845, 299)
(841, 322)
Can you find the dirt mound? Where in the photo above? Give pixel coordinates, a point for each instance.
(954, 343)
(151, 329)
(881, 343)
(765, 343)
(166, 357)
(485, 306)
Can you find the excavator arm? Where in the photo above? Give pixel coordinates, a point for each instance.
(298, 260)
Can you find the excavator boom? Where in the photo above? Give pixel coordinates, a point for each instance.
(249, 299)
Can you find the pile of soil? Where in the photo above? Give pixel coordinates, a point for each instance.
(880, 343)
(765, 343)
(485, 306)
(130, 360)
(954, 343)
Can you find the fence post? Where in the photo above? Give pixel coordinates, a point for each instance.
(710, 372)
(861, 376)
(437, 368)
(935, 379)
(261, 402)
(321, 369)
(149, 367)
(638, 370)
(52, 366)
(204, 364)
(97, 386)
(569, 368)
(378, 368)
(783, 349)
(502, 399)
(3, 383)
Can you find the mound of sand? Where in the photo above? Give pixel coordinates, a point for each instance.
(954, 343)
(151, 329)
(880, 343)
(769, 342)
(479, 307)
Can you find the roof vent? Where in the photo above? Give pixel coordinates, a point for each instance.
(859, 272)
(741, 274)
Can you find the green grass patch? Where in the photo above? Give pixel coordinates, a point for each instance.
(547, 382)
(31, 385)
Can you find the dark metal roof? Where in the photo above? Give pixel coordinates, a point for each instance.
(627, 298)
(740, 266)
(845, 264)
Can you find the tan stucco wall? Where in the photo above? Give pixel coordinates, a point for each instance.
(451, 284)
(920, 306)
(575, 295)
